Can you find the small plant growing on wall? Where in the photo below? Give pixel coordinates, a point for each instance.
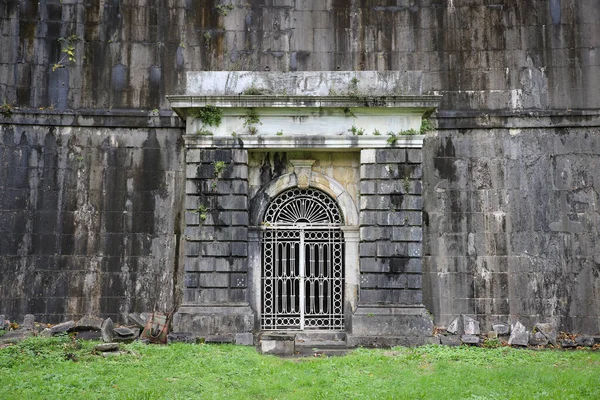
(224, 9)
(251, 119)
(209, 116)
(393, 138)
(356, 131)
(426, 126)
(406, 184)
(202, 212)
(219, 166)
(68, 50)
(6, 110)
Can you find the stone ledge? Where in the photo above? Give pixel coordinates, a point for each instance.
(303, 142)
(214, 320)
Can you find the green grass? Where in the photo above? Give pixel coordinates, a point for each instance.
(43, 368)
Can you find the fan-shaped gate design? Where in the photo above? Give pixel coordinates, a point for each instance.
(303, 262)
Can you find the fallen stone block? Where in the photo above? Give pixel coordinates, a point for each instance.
(470, 326)
(15, 336)
(501, 329)
(107, 330)
(62, 327)
(585, 341)
(519, 336)
(28, 322)
(455, 327)
(567, 343)
(538, 339)
(470, 339)
(47, 332)
(450, 340)
(87, 324)
(492, 335)
(137, 320)
(103, 347)
(548, 330)
(125, 335)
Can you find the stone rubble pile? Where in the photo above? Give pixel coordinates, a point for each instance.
(87, 328)
(466, 330)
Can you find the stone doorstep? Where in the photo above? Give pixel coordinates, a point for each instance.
(303, 343)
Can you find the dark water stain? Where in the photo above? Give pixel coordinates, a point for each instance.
(555, 11)
(443, 161)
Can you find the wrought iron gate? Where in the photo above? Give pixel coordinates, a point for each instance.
(303, 267)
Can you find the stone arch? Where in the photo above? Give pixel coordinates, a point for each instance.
(319, 181)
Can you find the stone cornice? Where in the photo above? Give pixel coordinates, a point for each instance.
(183, 104)
(314, 143)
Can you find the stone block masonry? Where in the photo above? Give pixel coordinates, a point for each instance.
(390, 227)
(216, 231)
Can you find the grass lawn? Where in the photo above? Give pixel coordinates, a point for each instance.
(57, 368)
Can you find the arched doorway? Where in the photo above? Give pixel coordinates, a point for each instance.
(302, 262)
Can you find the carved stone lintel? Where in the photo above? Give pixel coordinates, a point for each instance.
(303, 171)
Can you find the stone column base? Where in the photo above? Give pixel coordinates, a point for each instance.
(224, 323)
(387, 326)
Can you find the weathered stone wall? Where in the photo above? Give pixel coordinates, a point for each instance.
(89, 217)
(489, 61)
(512, 225)
(518, 54)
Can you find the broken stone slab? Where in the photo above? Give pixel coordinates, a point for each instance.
(538, 339)
(501, 329)
(455, 327)
(492, 335)
(519, 336)
(123, 331)
(470, 325)
(125, 335)
(567, 343)
(46, 333)
(28, 322)
(103, 347)
(62, 327)
(470, 339)
(4, 322)
(15, 336)
(450, 340)
(87, 323)
(181, 337)
(548, 330)
(107, 330)
(585, 341)
(137, 320)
